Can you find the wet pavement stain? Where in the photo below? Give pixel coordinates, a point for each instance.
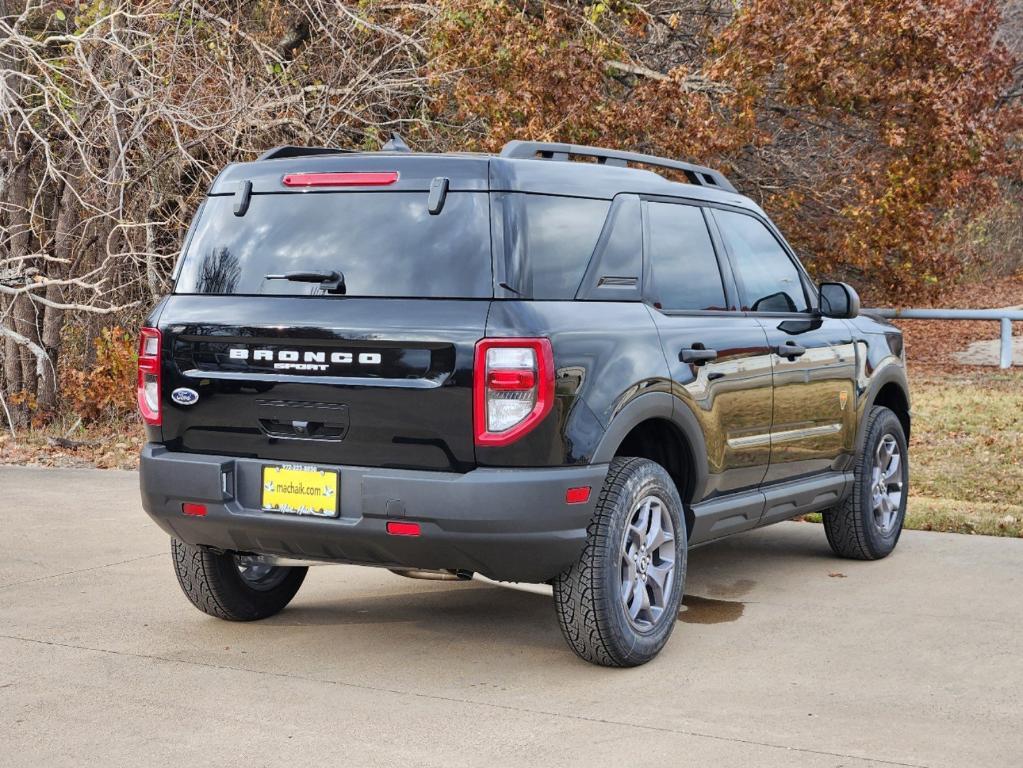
(706, 610)
(735, 589)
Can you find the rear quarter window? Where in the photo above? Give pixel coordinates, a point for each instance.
(549, 241)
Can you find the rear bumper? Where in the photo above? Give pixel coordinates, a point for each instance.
(509, 524)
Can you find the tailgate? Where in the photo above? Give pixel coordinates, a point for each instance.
(361, 381)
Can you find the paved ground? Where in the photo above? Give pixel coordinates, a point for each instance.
(785, 657)
(989, 352)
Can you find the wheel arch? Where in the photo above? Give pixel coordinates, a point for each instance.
(889, 388)
(654, 428)
(893, 397)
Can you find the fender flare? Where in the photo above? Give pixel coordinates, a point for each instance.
(892, 373)
(657, 405)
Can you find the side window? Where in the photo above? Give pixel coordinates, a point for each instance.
(768, 280)
(616, 268)
(684, 272)
(558, 235)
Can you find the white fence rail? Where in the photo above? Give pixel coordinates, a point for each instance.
(1004, 316)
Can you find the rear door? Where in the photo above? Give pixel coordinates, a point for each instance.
(380, 375)
(814, 357)
(719, 359)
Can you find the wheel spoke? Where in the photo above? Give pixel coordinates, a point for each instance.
(638, 596)
(644, 601)
(656, 535)
(659, 578)
(894, 464)
(663, 534)
(641, 523)
(629, 577)
(884, 451)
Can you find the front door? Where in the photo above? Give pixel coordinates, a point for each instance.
(813, 358)
(719, 359)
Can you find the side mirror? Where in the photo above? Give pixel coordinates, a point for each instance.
(839, 300)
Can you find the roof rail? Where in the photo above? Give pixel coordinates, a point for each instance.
(288, 151)
(541, 150)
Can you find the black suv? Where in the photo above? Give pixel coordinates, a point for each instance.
(546, 365)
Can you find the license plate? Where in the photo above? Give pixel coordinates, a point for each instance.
(300, 490)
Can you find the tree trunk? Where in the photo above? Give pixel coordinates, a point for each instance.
(53, 318)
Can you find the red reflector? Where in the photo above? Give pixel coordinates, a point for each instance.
(577, 495)
(196, 510)
(402, 529)
(380, 179)
(506, 380)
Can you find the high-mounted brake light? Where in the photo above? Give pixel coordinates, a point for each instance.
(148, 390)
(347, 179)
(513, 388)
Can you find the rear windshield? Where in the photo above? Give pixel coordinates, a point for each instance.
(383, 243)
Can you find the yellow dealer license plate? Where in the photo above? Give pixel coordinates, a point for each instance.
(295, 489)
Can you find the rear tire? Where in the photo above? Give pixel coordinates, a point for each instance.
(617, 606)
(215, 584)
(867, 525)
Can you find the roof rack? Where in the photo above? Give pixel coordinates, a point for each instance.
(541, 150)
(288, 151)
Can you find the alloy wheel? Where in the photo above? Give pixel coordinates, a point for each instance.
(647, 563)
(886, 484)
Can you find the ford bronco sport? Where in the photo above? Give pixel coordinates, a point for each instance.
(516, 365)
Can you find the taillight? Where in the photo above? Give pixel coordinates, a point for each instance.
(345, 179)
(150, 342)
(513, 390)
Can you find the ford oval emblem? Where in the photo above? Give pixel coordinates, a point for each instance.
(184, 396)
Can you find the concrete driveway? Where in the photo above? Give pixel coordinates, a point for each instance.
(784, 657)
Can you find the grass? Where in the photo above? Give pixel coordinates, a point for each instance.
(966, 453)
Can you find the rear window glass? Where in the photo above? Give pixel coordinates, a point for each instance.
(384, 243)
(552, 239)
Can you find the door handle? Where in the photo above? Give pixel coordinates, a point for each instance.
(697, 355)
(790, 349)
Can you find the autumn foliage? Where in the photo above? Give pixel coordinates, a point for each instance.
(870, 129)
(106, 388)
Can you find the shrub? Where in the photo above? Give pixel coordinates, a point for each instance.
(107, 388)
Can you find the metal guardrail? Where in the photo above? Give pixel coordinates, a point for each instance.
(1004, 316)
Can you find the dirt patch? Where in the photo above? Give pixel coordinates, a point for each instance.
(105, 445)
(989, 353)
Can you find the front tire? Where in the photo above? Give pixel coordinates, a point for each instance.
(231, 587)
(867, 525)
(618, 604)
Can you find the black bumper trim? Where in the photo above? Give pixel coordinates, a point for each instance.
(507, 524)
